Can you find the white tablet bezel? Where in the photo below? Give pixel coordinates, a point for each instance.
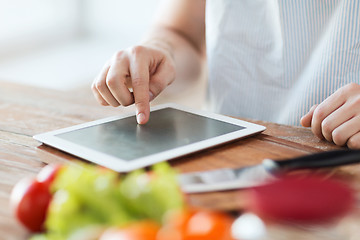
(122, 165)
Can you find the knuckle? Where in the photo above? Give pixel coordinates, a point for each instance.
(99, 85)
(138, 81)
(353, 143)
(352, 86)
(93, 86)
(111, 82)
(319, 113)
(326, 126)
(355, 103)
(119, 54)
(357, 100)
(350, 89)
(316, 131)
(137, 50)
(338, 138)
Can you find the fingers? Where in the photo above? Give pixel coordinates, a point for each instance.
(94, 86)
(342, 134)
(305, 121)
(109, 88)
(354, 141)
(98, 96)
(101, 91)
(163, 77)
(116, 81)
(337, 118)
(139, 71)
(324, 109)
(147, 71)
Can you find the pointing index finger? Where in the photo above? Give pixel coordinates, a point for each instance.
(139, 71)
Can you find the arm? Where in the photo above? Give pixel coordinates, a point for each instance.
(174, 47)
(180, 25)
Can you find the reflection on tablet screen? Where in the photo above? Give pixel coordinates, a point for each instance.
(167, 129)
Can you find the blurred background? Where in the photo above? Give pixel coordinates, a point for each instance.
(63, 44)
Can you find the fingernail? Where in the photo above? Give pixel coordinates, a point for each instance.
(140, 118)
(151, 96)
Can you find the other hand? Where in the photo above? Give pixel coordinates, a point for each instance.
(337, 118)
(148, 70)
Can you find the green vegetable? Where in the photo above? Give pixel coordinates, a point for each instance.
(151, 195)
(87, 195)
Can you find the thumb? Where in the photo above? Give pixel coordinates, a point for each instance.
(305, 121)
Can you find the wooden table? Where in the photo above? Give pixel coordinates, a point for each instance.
(26, 111)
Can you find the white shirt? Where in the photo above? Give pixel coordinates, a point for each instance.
(273, 59)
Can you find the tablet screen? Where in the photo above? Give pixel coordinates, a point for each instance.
(167, 128)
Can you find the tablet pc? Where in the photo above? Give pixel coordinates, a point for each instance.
(119, 143)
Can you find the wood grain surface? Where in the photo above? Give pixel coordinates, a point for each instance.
(26, 111)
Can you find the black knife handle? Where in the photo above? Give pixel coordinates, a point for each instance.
(317, 160)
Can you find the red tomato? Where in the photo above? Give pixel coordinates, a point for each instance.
(48, 173)
(307, 200)
(29, 201)
(197, 225)
(145, 230)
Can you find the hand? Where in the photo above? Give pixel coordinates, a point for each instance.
(337, 118)
(147, 70)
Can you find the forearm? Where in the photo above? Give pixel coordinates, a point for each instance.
(179, 28)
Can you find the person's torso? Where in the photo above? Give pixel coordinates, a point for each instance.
(273, 59)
